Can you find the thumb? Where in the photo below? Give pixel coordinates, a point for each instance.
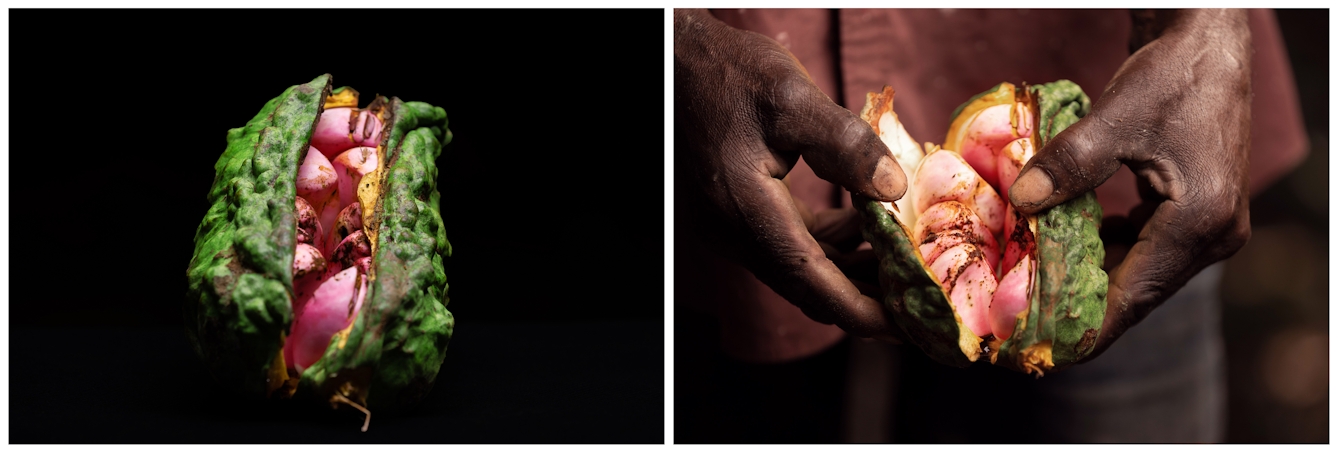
(1074, 162)
(839, 146)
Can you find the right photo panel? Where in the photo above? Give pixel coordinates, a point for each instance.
(1000, 226)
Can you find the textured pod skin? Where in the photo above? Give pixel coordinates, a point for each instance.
(1067, 301)
(240, 284)
(240, 279)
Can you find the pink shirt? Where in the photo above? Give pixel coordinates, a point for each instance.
(936, 59)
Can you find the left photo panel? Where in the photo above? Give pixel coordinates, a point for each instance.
(336, 226)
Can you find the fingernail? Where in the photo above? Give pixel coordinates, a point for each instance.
(889, 179)
(1032, 188)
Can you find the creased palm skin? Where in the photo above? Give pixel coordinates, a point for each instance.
(1178, 114)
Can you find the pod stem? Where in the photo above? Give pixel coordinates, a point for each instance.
(366, 421)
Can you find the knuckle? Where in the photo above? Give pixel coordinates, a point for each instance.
(1057, 157)
(788, 269)
(786, 90)
(1242, 233)
(853, 135)
(1074, 163)
(1237, 234)
(1228, 217)
(1223, 205)
(842, 152)
(792, 261)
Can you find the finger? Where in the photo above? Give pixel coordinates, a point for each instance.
(1074, 162)
(861, 267)
(805, 212)
(780, 252)
(836, 143)
(1173, 246)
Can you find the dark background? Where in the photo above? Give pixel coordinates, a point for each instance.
(1275, 323)
(1275, 290)
(551, 193)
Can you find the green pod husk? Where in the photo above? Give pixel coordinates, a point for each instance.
(1068, 295)
(240, 285)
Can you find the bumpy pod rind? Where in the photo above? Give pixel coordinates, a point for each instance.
(240, 284)
(1059, 104)
(239, 281)
(1066, 310)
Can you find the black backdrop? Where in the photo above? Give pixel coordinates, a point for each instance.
(552, 196)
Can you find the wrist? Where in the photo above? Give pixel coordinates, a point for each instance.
(694, 31)
(1207, 26)
(692, 21)
(1193, 49)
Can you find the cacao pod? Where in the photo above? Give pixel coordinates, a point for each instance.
(965, 275)
(317, 272)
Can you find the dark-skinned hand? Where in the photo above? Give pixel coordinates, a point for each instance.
(745, 110)
(1178, 114)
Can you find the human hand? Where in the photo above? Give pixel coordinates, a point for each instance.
(1178, 114)
(745, 111)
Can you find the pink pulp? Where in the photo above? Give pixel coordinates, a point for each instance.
(333, 254)
(964, 218)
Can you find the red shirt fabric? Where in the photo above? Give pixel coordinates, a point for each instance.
(935, 60)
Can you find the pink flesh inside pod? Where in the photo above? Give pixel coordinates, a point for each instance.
(332, 259)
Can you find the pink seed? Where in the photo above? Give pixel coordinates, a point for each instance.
(966, 277)
(308, 224)
(1011, 160)
(309, 268)
(349, 251)
(342, 128)
(351, 166)
(349, 220)
(1011, 298)
(945, 240)
(953, 215)
(333, 307)
(1019, 240)
(316, 178)
(945, 176)
(989, 132)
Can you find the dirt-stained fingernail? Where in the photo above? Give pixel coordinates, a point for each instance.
(1032, 188)
(889, 179)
